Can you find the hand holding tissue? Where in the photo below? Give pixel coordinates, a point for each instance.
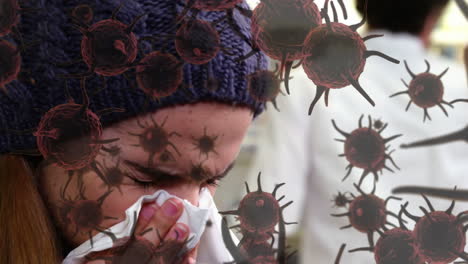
(211, 248)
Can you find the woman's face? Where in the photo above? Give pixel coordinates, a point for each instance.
(203, 142)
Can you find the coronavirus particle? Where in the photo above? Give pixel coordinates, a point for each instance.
(69, 134)
(264, 86)
(205, 144)
(198, 42)
(10, 61)
(159, 74)
(460, 135)
(82, 214)
(259, 211)
(365, 148)
(335, 56)
(108, 47)
(341, 199)
(426, 90)
(154, 139)
(440, 235)
(367, 213)
(83, 14)
(227, 6)
(279, 28)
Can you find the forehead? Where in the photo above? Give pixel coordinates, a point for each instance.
(204, 133)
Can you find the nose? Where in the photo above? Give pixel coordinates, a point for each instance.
(189, 191)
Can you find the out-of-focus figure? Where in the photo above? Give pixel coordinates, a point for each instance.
(298, 149)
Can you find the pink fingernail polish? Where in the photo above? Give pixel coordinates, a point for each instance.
(147, 212)
(170, 208)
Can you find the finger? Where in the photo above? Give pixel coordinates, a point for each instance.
(178, 232)
(146, 214)
(163, 220)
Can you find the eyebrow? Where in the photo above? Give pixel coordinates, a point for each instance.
(159, 174)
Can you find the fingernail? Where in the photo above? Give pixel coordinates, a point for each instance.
(147, 212)
(191, 260)
(171, 208)
(180, 232)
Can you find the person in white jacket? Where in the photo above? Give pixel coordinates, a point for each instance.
(291, 146)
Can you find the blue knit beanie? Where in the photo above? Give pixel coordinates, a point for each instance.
(53, 39)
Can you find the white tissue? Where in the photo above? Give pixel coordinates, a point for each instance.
(194, 217)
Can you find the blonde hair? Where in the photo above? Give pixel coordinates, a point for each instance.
(27, 234)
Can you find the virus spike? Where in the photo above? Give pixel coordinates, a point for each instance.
(287, 72)
(400, 213)
(340, 215)
(404, 82)
(426, 115)
(364, 18)
(428, 66)
(247, 187)
(344, 134)
(232, 212)
(349, 168)
(454, 136)
(276, 188)
(459, 195)
(360, 120)
(443, 109)
(359, 189)
(318, 95)
(324, 13)
(259, 183)
(335, 14)
(327, 92)
(358, 87)
(366, 38)
(463, 7)
(450, 209)
(399, 93)
(456, 101)
(343, 7)
(428, 202)
(409, 70)
(443, 73)
(370, 53)
(392, 138)
(116, 11)
(392, 198)
(229, 243)
(408, 106)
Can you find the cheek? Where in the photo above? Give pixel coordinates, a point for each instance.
(82, 205)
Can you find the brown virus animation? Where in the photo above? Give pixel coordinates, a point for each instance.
(279, 28)
(69, 135)
(426, 90)
(340, 254)
(80, 213)
(259, 212)
(256, 250)
(112, 176)
(440, 235)
(205, 144)
(83, 14)
(445, 193)
(460, 135)
(159, 75)
(10, 12)
(264, 86)
(335, 56)
(198, 42)
(365, 148)
(226, 6)
(396, 245)
(154, 139)
(341, 199)
(137, 249)
(108, 47)
(367, 213)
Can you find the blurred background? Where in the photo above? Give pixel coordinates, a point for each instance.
(448, 40)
